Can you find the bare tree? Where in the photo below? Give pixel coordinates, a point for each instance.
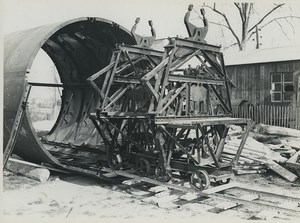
(246, 11)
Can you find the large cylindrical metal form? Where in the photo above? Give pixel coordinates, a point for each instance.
(78, 48)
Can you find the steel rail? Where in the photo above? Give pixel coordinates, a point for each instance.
(239, 201)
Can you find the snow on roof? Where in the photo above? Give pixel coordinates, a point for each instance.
(262, 55)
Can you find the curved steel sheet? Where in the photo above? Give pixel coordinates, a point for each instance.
(79, 48)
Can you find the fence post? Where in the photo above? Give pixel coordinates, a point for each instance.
(258, 118)
(297, 110)
(280, 116)
(262, 113)
(285, 118)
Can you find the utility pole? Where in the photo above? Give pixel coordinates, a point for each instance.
(257, 37)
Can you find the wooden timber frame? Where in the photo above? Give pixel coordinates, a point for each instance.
(155, 115)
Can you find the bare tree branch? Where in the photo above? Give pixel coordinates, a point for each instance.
(240, 10)
(290, 25)
(273, 20)
(227, 22)
(251, 35)
(282, 29)
(245, 10)
(278, 18)
(219, 24)
(231, 45)
(266, 15)
(214, 23)
(250, 10)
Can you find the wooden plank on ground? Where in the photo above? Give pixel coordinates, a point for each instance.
(295, 144)
(276, 130)
(131, 182)
(219, 188)
(138, 192)
(250, 166)
(37, 165)
(242, 172)
(281, 171)
(189, 196)
(109, 175)
(30, 171)
(222, 206)
(157, 189)
(225, 205)
(249, 197)
(293, 162)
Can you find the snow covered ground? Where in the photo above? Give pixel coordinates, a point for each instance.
(78, 198)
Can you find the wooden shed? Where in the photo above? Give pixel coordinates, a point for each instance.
(268, 79)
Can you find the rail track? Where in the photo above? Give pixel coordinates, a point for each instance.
(231, 198)
(178, 191)
(227, 198)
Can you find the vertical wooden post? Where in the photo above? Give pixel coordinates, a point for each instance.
(198, 144)
(296, 118)
(288, 117)
(222, 142)
(276, 115)
(241, 146)
(271, 115)
(188, 99)
(264, 113)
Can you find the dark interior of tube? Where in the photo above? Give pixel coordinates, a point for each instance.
(75, 52)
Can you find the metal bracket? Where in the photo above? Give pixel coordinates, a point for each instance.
(143, 41)
(16, 125)
(196, 33)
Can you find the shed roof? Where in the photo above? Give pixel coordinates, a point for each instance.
(262, 55)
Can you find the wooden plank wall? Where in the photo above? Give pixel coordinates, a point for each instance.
(254, 80)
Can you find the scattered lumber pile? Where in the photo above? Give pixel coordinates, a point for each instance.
(276, 130)
(266, 148)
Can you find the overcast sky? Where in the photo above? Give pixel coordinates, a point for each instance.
(167, 16)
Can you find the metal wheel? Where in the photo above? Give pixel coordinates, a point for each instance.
(116, 161)
(223, 181)
(200, 180)
(143, 167)
(162, 174)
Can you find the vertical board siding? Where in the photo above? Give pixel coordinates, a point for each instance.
(261, 83)
(253, 81)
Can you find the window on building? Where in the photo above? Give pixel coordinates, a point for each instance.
(282, 87)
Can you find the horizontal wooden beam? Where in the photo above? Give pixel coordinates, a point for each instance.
(193, 44)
